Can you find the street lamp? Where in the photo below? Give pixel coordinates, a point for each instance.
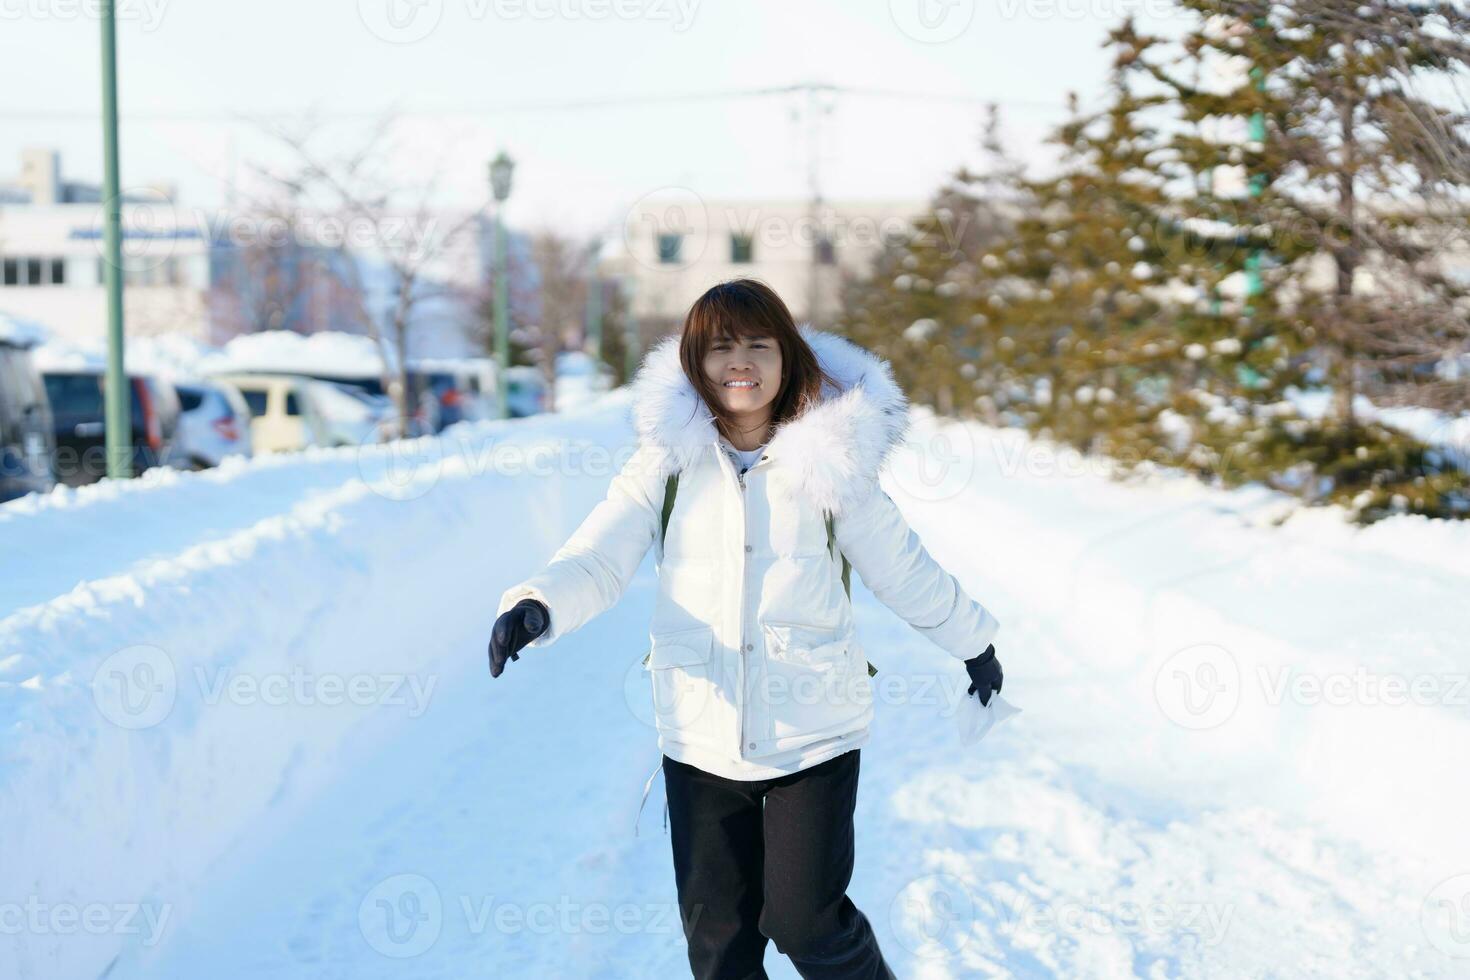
(117, 431)
(500, 172)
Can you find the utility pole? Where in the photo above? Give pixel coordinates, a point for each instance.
(815, 110)
(117, 429)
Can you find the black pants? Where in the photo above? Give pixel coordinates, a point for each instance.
(766, 860)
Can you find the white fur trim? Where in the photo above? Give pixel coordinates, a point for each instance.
(836, 448)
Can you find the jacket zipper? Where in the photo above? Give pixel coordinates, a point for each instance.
(744, 571)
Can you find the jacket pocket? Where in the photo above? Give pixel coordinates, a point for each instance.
(683, 688)
(814, 647)
(811, 687)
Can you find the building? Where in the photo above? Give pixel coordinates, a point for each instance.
(204, 273)
(51, 255)
(676, 247)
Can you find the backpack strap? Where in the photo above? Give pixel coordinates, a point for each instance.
(846, 570)
(671, 490)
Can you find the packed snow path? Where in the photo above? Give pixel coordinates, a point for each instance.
(1216, 773)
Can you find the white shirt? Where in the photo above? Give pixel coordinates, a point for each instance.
(744, 458)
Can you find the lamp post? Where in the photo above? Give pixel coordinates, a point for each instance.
(631, 336)
(117, 430)
(593, 329)
(500, 172)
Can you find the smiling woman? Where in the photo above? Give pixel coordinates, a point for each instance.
(749, 365)
(756, 482)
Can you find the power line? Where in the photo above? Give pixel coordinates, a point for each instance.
(545, 105)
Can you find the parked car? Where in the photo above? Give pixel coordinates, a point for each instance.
(349, 416)
(283, 415)
(525, 391)
(79, 417)
(439, 397)
(27, 440)
(214, 422)
(464, 387)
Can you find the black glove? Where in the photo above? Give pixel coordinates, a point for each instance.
(521, 624)
(985, 675)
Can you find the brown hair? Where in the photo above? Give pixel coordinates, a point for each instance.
(750, 308)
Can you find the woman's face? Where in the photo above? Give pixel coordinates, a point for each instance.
(747, 373)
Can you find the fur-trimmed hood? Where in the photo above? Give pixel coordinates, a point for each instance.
(835, 448)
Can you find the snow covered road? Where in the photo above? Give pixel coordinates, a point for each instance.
(1241, 754)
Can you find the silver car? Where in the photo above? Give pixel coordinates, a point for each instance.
(214, 423)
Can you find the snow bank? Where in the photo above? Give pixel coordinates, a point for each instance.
(1260, 823)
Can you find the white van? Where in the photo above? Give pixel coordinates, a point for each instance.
(283, 413)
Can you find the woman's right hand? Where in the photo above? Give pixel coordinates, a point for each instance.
(521, 624)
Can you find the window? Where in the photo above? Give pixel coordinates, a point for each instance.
(254, 400)
(293, 406)
(742, 249)
(190, 399)
(75, 394)
(669, 247)
(28, 271)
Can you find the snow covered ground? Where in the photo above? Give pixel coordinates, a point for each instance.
(249, 729)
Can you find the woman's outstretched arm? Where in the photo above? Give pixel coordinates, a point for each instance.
(895, 566)
(588, 573)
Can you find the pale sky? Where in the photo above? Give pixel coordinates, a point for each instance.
(189, 69)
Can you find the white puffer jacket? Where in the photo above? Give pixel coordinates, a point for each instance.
(756, 668)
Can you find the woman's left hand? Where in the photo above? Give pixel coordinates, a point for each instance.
(985, 675)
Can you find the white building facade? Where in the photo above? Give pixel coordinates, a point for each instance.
(677, 246)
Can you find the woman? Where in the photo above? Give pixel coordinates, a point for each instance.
(756, 480)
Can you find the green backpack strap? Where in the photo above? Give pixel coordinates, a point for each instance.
(671, 490)
(846, 570)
